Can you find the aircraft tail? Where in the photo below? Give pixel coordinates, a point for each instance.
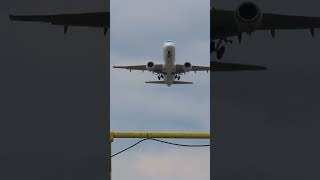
(162, 82)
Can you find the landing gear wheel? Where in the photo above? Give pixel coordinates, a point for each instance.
(159, 78)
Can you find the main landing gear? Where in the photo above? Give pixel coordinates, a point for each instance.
(160, 76)
(218, 48)
(177, 77)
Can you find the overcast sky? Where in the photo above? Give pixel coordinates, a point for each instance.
(138, 30)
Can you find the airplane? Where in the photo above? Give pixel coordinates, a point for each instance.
(248, 18)
(171, 72)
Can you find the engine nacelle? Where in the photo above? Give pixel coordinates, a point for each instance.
(187, 67)
(150, 66)
(248, 17)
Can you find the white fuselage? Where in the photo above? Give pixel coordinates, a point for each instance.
(169, 67)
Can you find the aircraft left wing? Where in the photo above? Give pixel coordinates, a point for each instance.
(96, 19)
(157, 68)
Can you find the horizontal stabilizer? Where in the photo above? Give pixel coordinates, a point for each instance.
(155, 82)
(162, 82)
(221, 66)
(181, 82)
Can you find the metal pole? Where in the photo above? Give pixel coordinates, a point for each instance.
(110, 162)
(149, 135)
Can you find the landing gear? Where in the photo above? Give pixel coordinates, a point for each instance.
(177, 77)
(160, 76)
(218, 48)
(220, 52)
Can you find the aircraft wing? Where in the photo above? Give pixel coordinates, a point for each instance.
(180, 68)
(276, 21)
(222, 66)
(200, 68)
(223, 23)
(157, 68)
(97, 19)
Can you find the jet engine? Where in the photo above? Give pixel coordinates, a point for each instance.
(248, 17)
(150, 66)
(187, 67)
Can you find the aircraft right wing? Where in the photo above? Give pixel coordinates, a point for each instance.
(222, 66)
(97, 19)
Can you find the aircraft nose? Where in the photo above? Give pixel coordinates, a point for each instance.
(169, 44)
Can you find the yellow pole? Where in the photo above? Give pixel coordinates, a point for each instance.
(169, 135)
(110, 165)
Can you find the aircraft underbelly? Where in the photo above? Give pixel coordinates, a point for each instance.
(169, 78)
